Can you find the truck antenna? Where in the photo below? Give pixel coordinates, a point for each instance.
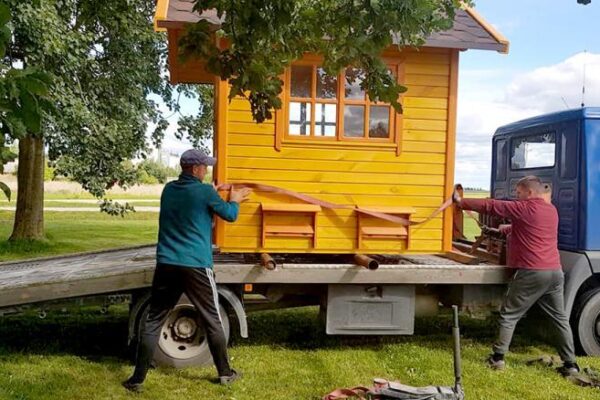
(583, 85)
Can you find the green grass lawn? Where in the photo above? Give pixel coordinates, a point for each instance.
(71, 232)
(83, 356)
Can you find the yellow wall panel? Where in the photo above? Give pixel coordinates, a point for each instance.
(425, 102)
(347, 173)
(244, 116)
(425, 113)
(425, 147)
(367, 179)
(246, 128)
(427, 69)
(346, 166)
(425, 80)
(292, 153)
(426, 91)
(413, 123)
(424, 58)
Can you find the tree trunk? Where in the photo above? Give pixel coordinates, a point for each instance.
(29, 216)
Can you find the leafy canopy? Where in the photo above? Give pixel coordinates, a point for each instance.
(265, 36)
(24, 95)
(110, 85)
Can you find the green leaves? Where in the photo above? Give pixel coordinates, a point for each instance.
(5, 189)
(4, 14)
(108, 86)
(265, 36)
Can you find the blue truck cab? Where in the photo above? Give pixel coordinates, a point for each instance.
(563, 149)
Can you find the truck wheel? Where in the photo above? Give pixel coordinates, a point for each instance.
(182, 342)
(586, 322)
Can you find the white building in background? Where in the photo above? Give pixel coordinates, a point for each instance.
(10, 167)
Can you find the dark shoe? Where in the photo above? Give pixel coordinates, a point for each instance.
(228, 380)
(495, 364)
(568, 370)
(135, 387)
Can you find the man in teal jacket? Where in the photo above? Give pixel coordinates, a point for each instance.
(184, 262)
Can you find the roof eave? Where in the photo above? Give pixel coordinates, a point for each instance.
(502, 41)
(499, 47)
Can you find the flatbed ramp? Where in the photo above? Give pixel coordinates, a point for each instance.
(123, 270)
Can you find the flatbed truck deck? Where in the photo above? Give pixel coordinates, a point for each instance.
(354, 299)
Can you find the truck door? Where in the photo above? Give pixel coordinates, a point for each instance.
(550, 152)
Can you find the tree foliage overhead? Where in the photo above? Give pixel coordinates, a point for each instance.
(110, 80)
(265, 36)
(23, 97)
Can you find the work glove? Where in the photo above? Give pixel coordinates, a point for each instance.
(456, 197)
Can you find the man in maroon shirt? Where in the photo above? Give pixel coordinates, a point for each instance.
(538, 276)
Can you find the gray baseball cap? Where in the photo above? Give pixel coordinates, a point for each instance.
(196, 157)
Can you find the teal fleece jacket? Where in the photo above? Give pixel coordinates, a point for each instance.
(187, 207)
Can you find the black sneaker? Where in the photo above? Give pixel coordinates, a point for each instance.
(228, 380)
(568, 370)
(135, 387)
(495, 364)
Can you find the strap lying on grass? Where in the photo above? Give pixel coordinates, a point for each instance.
(588, 377)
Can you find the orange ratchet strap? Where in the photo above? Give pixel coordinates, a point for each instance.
(325, 204)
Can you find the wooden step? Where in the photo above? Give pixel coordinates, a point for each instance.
(285, 207)
(384, 232)
(289, 230)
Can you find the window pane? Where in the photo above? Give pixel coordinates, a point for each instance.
(533, 151)
(299, 119)
(354, 121)
(301, 81)
(354, 77)
(500, 160)
(379, 122)
(325, 119)
(326, 85)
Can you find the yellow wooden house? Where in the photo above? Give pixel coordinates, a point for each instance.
(329, 142)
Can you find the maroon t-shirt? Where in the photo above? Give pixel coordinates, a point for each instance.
(533, 242)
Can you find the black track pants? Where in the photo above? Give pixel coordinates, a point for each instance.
(169, 283)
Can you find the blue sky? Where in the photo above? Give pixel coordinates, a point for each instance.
(542, 72)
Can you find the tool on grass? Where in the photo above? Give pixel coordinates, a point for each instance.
(387, 390)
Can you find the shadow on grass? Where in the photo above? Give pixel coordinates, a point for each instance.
(85, 333)
(89, 334)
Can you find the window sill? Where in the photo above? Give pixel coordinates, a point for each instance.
(329, 143)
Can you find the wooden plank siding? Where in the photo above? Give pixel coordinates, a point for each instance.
(364, 174)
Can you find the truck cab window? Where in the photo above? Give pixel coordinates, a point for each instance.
(536, 151)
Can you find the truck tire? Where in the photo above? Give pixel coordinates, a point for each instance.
(182, 342)
(586, 322)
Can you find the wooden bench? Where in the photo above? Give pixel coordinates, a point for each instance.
(301, 229)
(379, 229)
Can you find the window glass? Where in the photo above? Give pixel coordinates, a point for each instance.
(536, 151)
(301, 81)
(325, 119)
(354, 78)
(326, 85)
(379, 122)
(501, 160)
(354, 121)
(300, 114)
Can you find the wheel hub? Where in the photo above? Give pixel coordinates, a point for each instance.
(184, 328)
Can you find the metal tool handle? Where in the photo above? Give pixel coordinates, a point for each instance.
(457, 359)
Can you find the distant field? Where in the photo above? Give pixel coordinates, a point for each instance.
(73, 190)
(72, 232)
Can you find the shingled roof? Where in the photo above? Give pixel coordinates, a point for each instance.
(470, 30)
